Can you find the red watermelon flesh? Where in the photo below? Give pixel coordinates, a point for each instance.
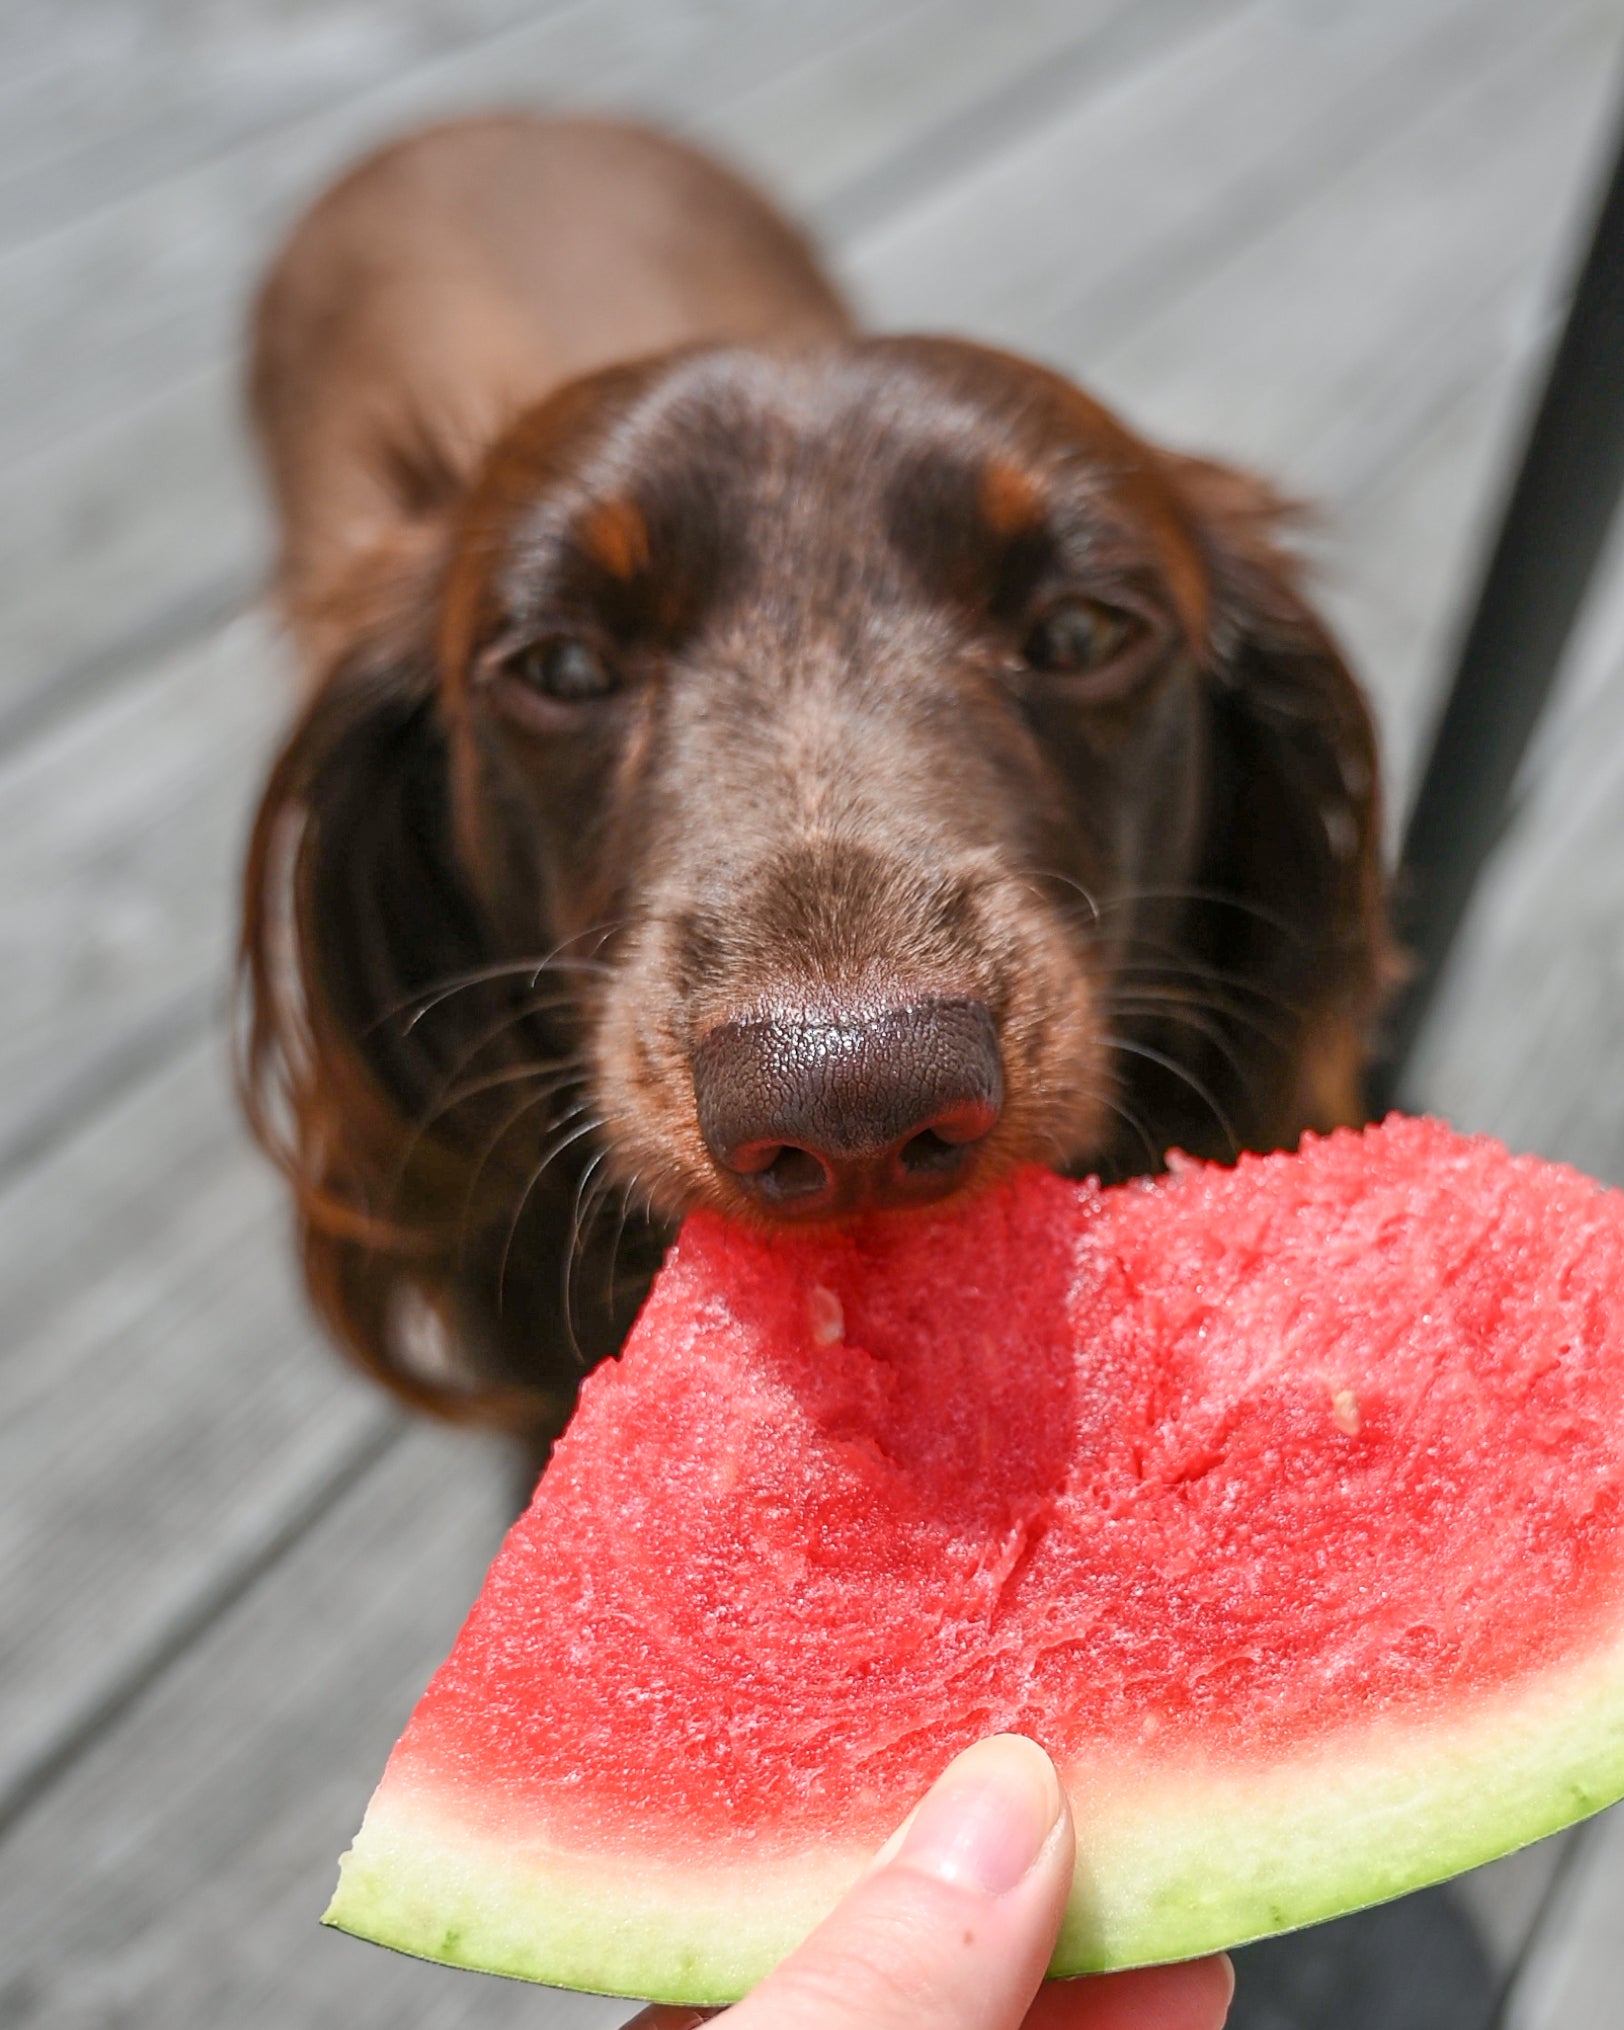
(1282, 1504)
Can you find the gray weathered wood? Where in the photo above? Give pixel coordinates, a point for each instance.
(124, 831)
(1527, 1041)
(99, 98)
(134, 517)
(1506, 1900)
(167, 269)
(1377, 307)
(199, 717)
(165, 1406)
(1394, 560)
(199, 714)
(177, 1873)
(1165, 231)
(1574, 1978)
(1078, 229)
(122, 539)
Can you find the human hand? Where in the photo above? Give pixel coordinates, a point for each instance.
(953, 1925)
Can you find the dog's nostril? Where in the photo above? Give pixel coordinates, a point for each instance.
(932, 1152)
(823, 1115)
(791, 1174)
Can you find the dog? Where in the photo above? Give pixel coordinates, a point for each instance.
(743, 762)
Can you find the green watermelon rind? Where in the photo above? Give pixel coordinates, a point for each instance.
(1175, 1862)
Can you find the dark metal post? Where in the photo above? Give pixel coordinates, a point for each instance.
(1553, 529)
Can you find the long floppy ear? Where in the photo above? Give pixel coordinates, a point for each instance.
(1293, 928)
(376, 1006)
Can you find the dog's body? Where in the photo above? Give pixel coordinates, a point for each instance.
(744, 762)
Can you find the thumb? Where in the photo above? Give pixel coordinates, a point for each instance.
(952, 1926)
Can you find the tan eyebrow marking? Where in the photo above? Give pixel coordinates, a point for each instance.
(1010, 498)
(615, 535)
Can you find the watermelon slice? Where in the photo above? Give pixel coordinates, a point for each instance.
(1282, 1504)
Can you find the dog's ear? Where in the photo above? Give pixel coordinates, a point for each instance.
(363, 967)
(1294, 927)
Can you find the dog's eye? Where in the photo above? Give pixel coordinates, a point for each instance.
(1076, 636)
(565, 668)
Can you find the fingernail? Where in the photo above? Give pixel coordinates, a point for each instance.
(987, 1818)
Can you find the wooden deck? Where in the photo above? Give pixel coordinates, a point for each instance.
(1327, 239)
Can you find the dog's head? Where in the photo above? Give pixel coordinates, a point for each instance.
(807, 785)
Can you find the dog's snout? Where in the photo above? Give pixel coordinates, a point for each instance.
(813, 1115)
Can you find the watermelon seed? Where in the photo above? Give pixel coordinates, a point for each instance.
(828, 1319)
(1345, 1409)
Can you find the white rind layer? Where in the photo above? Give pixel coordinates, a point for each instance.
(1175, 1861)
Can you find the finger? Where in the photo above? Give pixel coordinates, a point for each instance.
(1193, 1996)
(954, 1925)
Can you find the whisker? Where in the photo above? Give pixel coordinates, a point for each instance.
(534, 1005)
(1043, 874)
(1147, 997)
(526, 1106)
(580, 1223)
(1182, 965)
(550, 1156)
(1193, 1019)
(620, 1234)
(1157, 1156)
(449, 1097)
(503, 969)
(1219, 898)
(426, 1003)
(1179, 1071)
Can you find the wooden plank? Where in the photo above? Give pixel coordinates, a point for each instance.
(1078, 230)
(929, 90)
(103, 97)
(87, 1380)
(124, 828)
(102, 551)
(1505, 1901)
(1572, 1977)
(1421, 252)
(177, 1872)
(149, 289)
(1332, 380)
(165, 1406)
(1397, 558)
(122, 539)
(1526, 1042)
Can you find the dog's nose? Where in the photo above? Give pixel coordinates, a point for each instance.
(815, 1115)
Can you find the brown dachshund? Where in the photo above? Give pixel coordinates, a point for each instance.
(743, 763)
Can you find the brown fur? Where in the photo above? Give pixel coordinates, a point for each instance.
(522, 383)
